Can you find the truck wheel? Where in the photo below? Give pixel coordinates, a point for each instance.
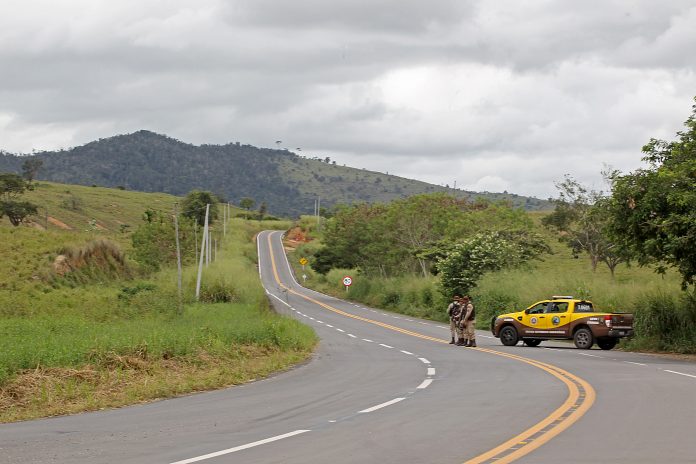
(606, 343)
(583, 339)
(509, 336)
(532, 341)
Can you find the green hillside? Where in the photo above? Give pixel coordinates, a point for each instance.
(286, 182)
(105, 331)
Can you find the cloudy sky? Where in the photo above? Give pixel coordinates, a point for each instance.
(495, 95)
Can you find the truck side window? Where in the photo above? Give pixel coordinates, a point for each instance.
(558, 307)
(583, 307)
(538, 309)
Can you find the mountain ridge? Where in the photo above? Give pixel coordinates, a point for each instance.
(287, 182)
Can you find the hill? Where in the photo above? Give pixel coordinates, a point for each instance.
(288, 183)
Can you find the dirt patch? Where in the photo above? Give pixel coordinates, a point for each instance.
(58, 223)
(295, 237)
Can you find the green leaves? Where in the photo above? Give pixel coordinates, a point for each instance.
(12, 187)
(466, 262)
(193, 206)
(653, 210)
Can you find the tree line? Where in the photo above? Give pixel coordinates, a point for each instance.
(648, 217)
(422, 234)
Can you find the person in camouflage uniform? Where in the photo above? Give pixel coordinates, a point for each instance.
(468, 321)
(454, 311)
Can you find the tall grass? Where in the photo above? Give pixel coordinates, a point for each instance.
(92, 324)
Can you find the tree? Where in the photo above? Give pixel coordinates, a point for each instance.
(263, 209)
(31, 167)
(154, 241)
(193, 206)
(466, 262)
(12, 187)
(581, 217)
(653, 210)
(247, 203)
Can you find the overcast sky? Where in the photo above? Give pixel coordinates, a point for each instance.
(495, 95)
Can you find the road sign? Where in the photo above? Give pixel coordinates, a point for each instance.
(303, 261)
(347, 281)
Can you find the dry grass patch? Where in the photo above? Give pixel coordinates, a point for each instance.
(124, 380)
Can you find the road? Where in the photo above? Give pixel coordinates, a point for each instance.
(387, 388)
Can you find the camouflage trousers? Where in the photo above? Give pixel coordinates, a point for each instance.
(469, 330)
(455, 330)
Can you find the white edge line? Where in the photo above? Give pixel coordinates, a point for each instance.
(637, 364)
(423, 360)
(425, 384)
(242, 447)
(681, 373)
(279, 300)
(380, 406)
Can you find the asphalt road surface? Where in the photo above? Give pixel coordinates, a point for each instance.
(385, 388)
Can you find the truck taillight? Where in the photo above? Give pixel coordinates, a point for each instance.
(608, 321)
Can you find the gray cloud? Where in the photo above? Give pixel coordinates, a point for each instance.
(494, 95)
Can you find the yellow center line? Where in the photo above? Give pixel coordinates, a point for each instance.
(573, 408)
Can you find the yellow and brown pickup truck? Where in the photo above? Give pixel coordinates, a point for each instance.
(563, 317)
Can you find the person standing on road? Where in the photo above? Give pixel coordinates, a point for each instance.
(454, 311)
(469, 321)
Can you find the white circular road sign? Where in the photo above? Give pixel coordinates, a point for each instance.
(347, 281)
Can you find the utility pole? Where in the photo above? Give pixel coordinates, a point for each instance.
(195, 237)
(318, 213)
(207, 248)
(200, 263)
(178, 257)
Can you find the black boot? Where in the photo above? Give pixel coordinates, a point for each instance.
(472, 343)
(452, 341)
(462, 342)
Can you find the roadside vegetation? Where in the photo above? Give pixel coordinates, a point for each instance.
(85, 325)
(629, 250)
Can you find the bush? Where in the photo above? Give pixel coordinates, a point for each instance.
(98, 260)
(218, 291)
(665, 322)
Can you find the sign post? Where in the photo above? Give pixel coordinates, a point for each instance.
(347, 281)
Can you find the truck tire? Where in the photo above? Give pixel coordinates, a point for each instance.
(583, 338)
(508, 336)
(531, 341)
(606, 343)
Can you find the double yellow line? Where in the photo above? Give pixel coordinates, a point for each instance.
(580, 398)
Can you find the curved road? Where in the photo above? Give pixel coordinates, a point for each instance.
(387, 388)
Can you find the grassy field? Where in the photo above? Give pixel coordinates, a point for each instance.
(665, 316)
(67, 347)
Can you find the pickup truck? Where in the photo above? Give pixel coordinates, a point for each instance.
(563, 317)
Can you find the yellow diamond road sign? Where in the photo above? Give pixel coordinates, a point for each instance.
(303, 261)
